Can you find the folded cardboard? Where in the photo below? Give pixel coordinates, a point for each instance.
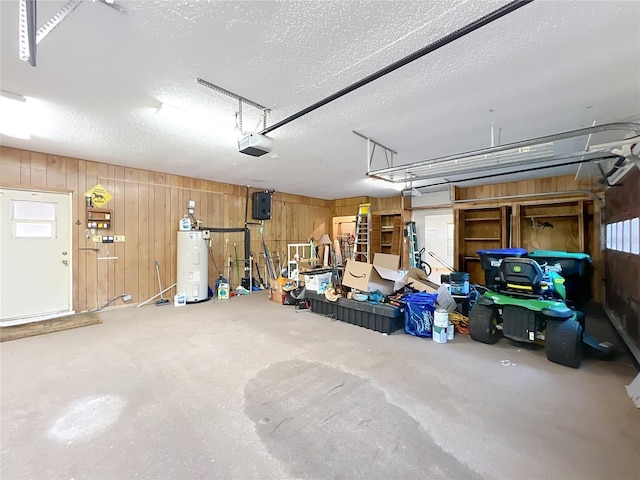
(383, 275)
(417, 279)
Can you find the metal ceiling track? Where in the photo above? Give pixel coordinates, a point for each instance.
(30, 38)
(447, 39)
(535, 151)
(371, 150)
(240, 99)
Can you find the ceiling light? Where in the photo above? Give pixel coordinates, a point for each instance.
(14, 116)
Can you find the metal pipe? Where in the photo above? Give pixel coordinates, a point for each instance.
(461, 32)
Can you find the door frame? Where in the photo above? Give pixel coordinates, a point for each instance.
(37, 318)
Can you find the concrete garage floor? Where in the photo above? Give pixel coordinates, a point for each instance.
(250, 389)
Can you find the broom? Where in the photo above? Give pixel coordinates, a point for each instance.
(162, 301)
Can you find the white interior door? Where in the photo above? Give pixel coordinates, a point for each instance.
(35, 255)
(438, 238)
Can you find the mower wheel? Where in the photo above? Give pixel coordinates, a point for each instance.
(563, 342)
(482, 324)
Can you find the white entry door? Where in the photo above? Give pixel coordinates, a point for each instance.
(35, 255)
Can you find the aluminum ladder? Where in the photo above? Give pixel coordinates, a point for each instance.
(414, 251)
(362, 244)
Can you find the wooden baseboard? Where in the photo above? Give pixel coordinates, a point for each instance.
(14, 332)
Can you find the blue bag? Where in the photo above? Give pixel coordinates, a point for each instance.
(418, 315)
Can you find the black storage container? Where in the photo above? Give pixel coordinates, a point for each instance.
(575, 268)
(491, 260)
(379, 317)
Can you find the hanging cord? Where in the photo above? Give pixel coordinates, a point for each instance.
(108, 303)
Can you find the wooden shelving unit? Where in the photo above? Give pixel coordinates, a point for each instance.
(99, 218)
(386, 233)
(562, 225)
(479, 229)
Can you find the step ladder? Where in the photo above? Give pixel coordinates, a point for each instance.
(362, 244)
(414, 251)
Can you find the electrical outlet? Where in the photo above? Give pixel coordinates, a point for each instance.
(97, 239)
(118, 238)
(205, 235)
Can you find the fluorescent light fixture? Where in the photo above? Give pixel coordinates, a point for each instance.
(14, 116)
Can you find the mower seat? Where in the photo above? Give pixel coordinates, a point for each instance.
(522, 275)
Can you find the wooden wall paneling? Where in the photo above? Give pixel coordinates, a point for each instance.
(77, 230)
(119, 228)
(396, 237)
(25, 167)
(459, 233)
(146, 264)
(131, 263)
(56, 171)
(92, 260)
(80, 302)
(10, 167)
(516, 232)
(109, 184)
(174, 214)
(102, 266)
(581, 226)
(38, 170)
(505, 227)
(595, 248)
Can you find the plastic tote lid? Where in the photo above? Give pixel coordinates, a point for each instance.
(515, 252)
(559, 254)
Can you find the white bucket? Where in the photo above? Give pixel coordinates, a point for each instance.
(450, 331)
(440, 324)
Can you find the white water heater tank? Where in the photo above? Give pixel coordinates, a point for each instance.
(193, 266)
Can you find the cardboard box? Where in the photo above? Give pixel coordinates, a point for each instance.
(383, 275)
(276, 294)
(417, 279)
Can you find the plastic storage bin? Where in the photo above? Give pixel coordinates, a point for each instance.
(313, 281)
(575, 268)
(379, 317)
(491, 260)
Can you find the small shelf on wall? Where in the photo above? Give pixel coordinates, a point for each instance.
(482, 239)
(99, 218)
(483, 219)
(553, 215)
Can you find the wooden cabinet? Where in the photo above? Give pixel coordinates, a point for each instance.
(479, 229)
(543, 225)
(386, 233)
(558, 226)
(99, 218)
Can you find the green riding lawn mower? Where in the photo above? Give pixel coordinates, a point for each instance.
(527, 302)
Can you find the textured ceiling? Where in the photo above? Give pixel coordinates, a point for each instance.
(549, 67)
